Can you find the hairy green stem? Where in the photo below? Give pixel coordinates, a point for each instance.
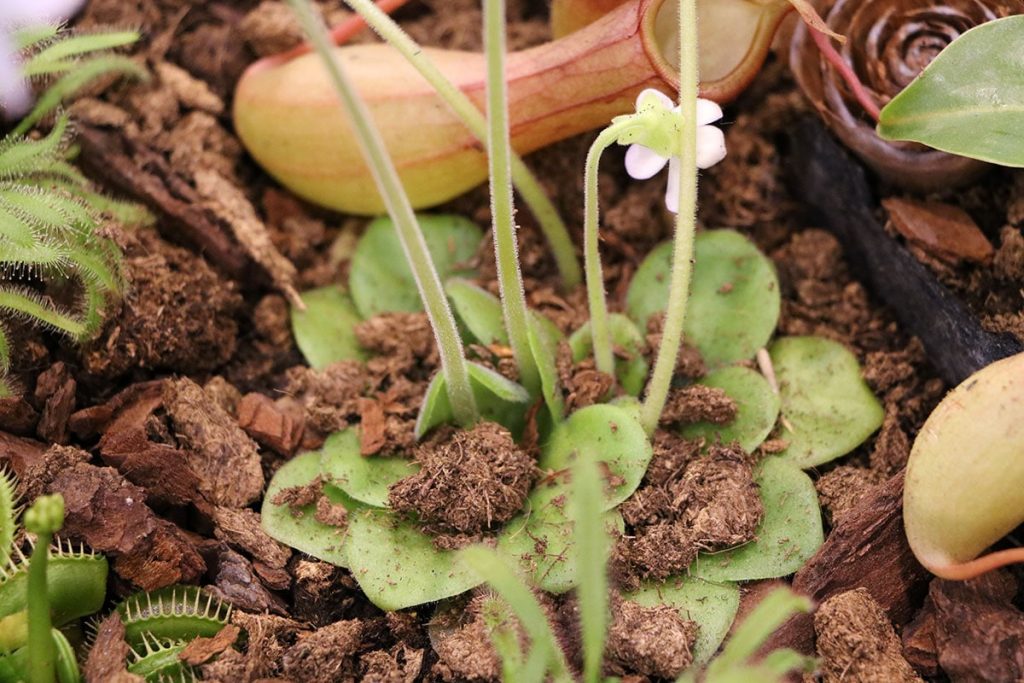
(453, 363)
(510, 279)
(592, 564)
(596, 301)
(533, 194)
(686, 223)
(44, 518)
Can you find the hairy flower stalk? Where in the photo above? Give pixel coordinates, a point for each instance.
(686, 223)
(453, 363)
(525, 181)
(510, 279)
(44, 519)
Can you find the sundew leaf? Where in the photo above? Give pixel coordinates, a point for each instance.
(734, 298)
(325, 331)
(789, 534)
(827, 408)
(757, 409)
(607, 434)
(970, 99)
(397, 565)
(298, 528)
(542, 539)
(631, 371)
(498, 399)
(365, 479)
(479, 310)
(712, 606)
(380, 280)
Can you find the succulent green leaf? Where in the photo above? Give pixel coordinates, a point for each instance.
(76, 586)
(397, 565)
(757, 409)
(970, 99)
(479, 310)
(827, 408)
(712, 605)
(380, 280)
(607, 434)
(298, 528)
(174, 613)
(365, 479)
(326, 331)
(734, 298)
(544, 338)
(498, 399)
(789, 534)
(631, 370)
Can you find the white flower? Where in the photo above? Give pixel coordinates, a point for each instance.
(15, 93)
(643, 162)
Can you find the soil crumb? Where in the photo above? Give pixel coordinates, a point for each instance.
(652, 641)
(470, 481)
(690, 363)
(856, 641)
(698, 403)
(840, 489)
(685, 505)
(582, 383)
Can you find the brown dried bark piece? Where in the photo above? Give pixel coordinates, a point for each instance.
(698, 403)
(166, 557)
(55, 394)
(328, 654)
(17, 416)
(470, 481)
(241, 529)
(108, 654)
(41, 466)
(201, 650)
(88, 422)
(653, 641)
(970, 629)
(857, 642)
(269, 425)
(236, 582)
(102, 509)
(226, 461)
(943, 230)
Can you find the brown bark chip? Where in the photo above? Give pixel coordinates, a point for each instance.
(856, 641)
(970, 629)
(653, 641)
(202, 650)
(108, 654)
(236, 582)
(270, 426)
(241, 529)
(226, 461)
(943, 230)
(17, 416)
(328, 654)
(698, 403)
(55, 395)
(470, 481)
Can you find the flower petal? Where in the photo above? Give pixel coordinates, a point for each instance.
(707, 111)
(665, 100)
(710, 146)
(15, 95)
(642, 163)
(672, 190)
(20, 13)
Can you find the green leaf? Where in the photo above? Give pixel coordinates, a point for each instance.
(297, 527)
(542, 540)
(325, 331)
(734, 299)
(397, 565)
(789, 534)
(631, 371)
(827, 408)
(757, 409)
(607, 434)
(380, 280)
(498, 399)
(479, 310)
(592, 545)
(970, 99)
(544, 338)
(712, 605)
(366, 479)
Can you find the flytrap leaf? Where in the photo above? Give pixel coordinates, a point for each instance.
(174, 612)
(607, 434)
(380, 280)
(827, 408)
(712, 606)
(76, 585)
(757, 409)
(397, 565)
(734, 299)
(298, 527)
(789, 534)
(631, 370)
(325, 331)
(498, 399)
(365, 479)
(969, 100)
(542, 541)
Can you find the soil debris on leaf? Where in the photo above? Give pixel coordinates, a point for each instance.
(582, 383)
(856, 641)
(651, 641)
(470, 482)
(698, 403)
